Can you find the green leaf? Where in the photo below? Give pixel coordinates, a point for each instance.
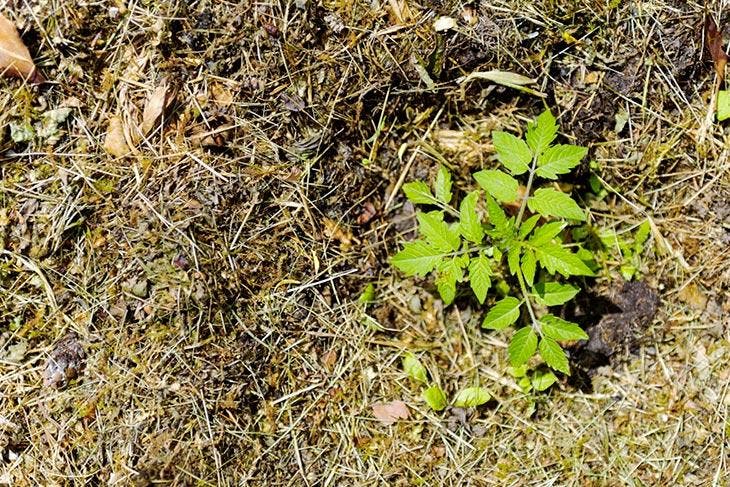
(417, 258)
(470, 224)
(522, 346)
(479, 272)
(555, 258)
(414, 368)
(517, 372)
(529, 266)
(553, 355)
(512, 152)
(541, 132)
(527, 226)
(723, 105)
(437, 232)
(550, 202)
(499, 184)
(561, 330)
(502, 314)
(559, 159)
(542, 380)
(368, 294)
(435, 398)
(471, 397)
(497, 217)
(513, 259)
(443, 185)
(418, 192)
(546, 233)
(449, 273)
(554, 293)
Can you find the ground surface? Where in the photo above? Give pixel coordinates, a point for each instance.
(211, 275)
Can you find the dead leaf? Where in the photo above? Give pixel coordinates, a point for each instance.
(65, 362)
(157, 102)
(15, 59)
(714, 45)
(390, 412)
(400, 12)
(115, 143)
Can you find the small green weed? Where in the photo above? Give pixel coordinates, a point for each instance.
(530, 251)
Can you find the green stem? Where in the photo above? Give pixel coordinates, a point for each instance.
(530, 180)
(526, 296)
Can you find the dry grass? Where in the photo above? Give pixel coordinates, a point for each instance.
(214, 289)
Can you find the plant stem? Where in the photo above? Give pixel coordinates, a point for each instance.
(526, 296)
(530, 180)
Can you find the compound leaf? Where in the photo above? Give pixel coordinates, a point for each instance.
(443, 185)
(437, 232)
(522, 346)
(559, 159)
(541, 132)
(502, 314)
(561, 330)
(417, 258)
(512, 152)
(479, 272)
(470, 224)
(555, 258)
(435, 398)
(553, 355)
(500, 185)
(555, 293)
(418, 192)
(471, 397)
(550, 202)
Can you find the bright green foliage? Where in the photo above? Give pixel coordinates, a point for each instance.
(471, 397)
(521, 253)
(542, 380)
(435, 398)
(414, 368)
(723, 105)
(628, 248)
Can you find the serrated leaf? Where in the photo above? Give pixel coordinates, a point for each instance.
(471, 397)
(470, 224)
(559, 159)
(527, 226)
(512, 152)
(435, 398)
(502, 314)
(497, 217)
(479, 272)
(418, 192)
(500, 185)
(555, 258)
(513, 259)
(417, 258)
(541, 132)
(443, 185)
(553, 355)
(554, 293)
(546, 233)
(529, 266)
(542, 380)
(522, 346)
(561, 330)
(414, 368)
(550, 202)
(449, 273)
(437, 232)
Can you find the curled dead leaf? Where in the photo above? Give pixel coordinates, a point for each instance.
(115, 143)
(390, 412)
(155, 106)
(15, 59)
(714, 45)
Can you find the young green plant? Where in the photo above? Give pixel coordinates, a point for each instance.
(526, 247)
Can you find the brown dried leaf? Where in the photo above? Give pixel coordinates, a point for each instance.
(714, 45)
(65, 362)
(15, 59)
(157, 102)
(115, 143)
(390, 412)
